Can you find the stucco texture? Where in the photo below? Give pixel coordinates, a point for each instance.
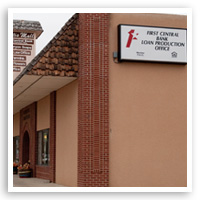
(66, 135)
(43, 113)
(148, 114)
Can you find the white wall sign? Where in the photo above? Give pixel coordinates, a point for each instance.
(154, 44)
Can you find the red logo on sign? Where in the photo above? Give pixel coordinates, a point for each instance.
(131, 38)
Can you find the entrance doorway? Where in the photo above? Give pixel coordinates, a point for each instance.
(25, 153)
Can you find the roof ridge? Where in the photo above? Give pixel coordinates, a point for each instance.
(25, 20)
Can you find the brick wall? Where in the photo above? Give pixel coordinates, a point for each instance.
(28, 124)
(52, 136)
(48, 172)
(93, 99)
(28, 120)
(43, 172)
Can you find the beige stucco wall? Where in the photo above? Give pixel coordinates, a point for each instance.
(148, 114)
(16, 124)
(43, 113)
(66, 134)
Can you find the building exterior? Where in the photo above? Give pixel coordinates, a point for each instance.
(25, 34)
(85, 119)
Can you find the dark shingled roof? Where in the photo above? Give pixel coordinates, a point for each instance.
(34, 26)
(59, 57)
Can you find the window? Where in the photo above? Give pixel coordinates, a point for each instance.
(43, 147)
(16, 149)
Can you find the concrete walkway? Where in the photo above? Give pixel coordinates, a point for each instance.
(32, 182)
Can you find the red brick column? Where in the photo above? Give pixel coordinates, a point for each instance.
(93, 101)
(52, 136)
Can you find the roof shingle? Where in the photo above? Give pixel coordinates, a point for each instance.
(60, 56)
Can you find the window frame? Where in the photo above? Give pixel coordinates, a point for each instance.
(39, 153)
